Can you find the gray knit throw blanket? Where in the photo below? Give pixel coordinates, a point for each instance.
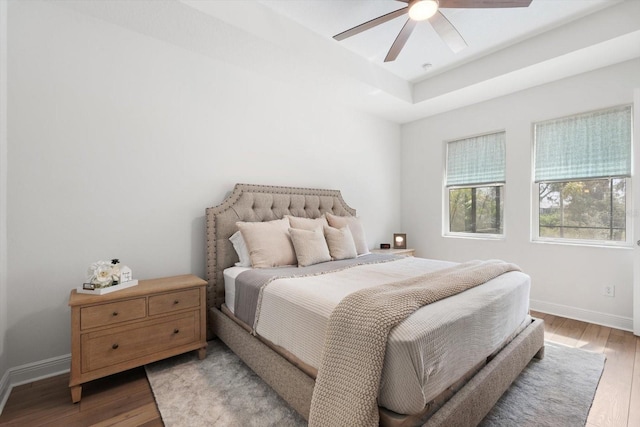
(348, 380)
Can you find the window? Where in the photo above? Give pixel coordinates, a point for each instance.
(582, 168)
(475, 185)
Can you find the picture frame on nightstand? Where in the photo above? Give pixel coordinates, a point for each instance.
(399, 241)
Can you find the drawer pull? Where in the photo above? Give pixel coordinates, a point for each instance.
(175, 302)
(175, 331)
(115, 346)
(115, 313)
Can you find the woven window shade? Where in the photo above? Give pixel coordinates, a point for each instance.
(475, 161)
(590, 145)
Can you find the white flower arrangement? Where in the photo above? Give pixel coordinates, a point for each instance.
(102, 274)
(107, 276)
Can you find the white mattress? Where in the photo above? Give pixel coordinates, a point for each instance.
(230, 275)
(427, 352)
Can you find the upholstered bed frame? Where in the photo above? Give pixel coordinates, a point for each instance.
(291, 380)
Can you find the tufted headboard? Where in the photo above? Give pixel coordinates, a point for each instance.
(258, 203)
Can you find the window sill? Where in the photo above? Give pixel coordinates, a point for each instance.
(475, 236)
(587, 244)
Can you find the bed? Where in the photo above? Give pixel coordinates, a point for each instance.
(463, 402)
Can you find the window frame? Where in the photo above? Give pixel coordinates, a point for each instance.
(535, 228)
(535, 193)
(485, 236)
(446, 227)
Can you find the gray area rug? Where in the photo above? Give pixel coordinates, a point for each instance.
(221, 390)
(555, 391)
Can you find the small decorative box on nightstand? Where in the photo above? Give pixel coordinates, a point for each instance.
(154, 320)
(404, 252)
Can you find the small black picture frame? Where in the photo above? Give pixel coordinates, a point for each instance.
(399, 241)
(89, 286)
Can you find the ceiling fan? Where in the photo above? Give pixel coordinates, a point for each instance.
(422, 10)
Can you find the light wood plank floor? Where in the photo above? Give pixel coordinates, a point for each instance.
(126, 399)
(617, 400)
(123, 399)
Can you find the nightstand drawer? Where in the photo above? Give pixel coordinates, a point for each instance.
(166, 303)
(108, 348)
(400, 252)
(112, 313)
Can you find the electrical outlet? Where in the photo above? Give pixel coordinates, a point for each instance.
(609, 290)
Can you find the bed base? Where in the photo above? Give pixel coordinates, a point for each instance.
(466, 408)
(293, 385)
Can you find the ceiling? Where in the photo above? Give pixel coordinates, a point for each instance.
(484, 30)
(290, 42)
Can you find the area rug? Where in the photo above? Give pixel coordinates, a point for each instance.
(555, 391)
(222, 391)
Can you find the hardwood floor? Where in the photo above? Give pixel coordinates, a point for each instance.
(617, 400)
(123, 399)
(126, 399)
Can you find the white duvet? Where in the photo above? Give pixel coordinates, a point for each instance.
(426, 353)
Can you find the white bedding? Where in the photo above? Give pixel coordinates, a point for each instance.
(426, 353)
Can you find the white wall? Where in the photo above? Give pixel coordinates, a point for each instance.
(3, 194)
(118, 142)
(566, 280)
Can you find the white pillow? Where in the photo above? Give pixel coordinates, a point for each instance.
(310, 246)
(269, 243)
(241, 249)
(355, 226)
(307, 223)
(340, 241)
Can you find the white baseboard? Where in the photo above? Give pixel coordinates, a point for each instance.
(604, 319)
(5, 390)
(32, 372)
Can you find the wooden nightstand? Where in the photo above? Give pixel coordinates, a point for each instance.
(154, 320)
(404, 252)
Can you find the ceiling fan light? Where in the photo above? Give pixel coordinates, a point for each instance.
(421, 10)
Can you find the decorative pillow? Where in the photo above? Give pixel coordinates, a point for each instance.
(355, 226)
(307, 223)
(269, 243)
(241, 249)
(340, 241)
(310, 246)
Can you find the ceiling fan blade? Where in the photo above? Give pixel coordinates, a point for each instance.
(447, 32)
(370, 24)
(478, 4)
(400, 41)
